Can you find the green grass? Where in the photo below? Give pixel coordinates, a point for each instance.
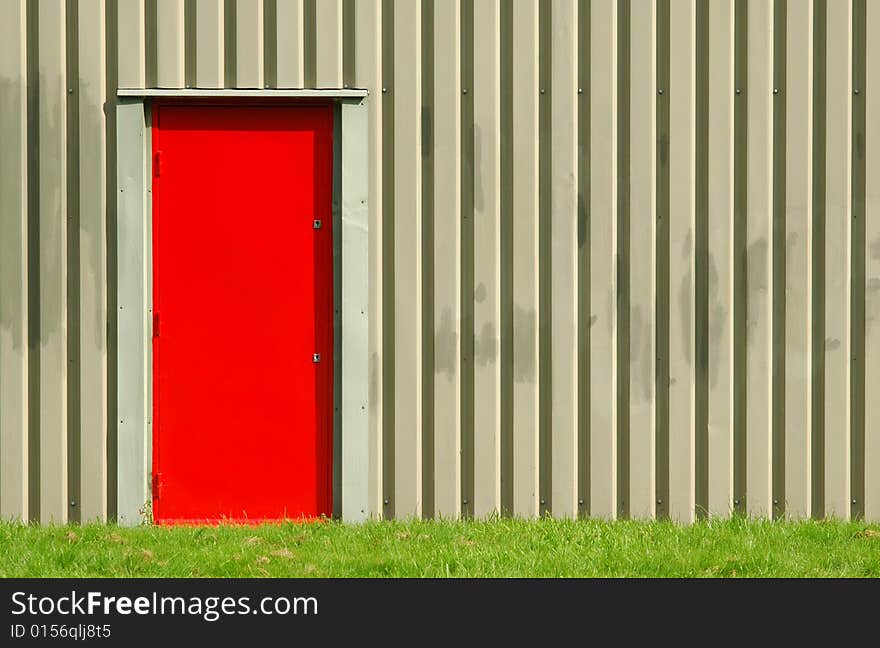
(498, 548)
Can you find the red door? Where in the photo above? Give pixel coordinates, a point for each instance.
(243, 312)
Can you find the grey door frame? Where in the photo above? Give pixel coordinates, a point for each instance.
(134, 294)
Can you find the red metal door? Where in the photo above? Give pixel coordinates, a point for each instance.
(243, 312)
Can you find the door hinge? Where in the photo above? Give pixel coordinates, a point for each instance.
(157, 158)
(155, 324)
(154, 486)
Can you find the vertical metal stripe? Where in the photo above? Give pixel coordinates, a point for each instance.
(583, 256)
(562, 218)
(53, 263)
(388, 266)
(701, 272)
(190, 43)
(798, 257)
(407, 259)
(132, 311)
(871, 92)
(603, 266)
(759, 270)
(857, 299)
(92, 311)
(662, 304)
(506, 337)
(778, 261)
(682, 63)
(170, 44)
(721, 267)
(34, 178)
(525, 259)
(368, 74)
(545, 215)
(210, 65)
(486, 89)
(270, 43)
(310, 53)
(838, 252)
(249, 44)
(290, 38)
(740, 214)
(111, 72)
(820, 12)
(643, 232)
(131, 16)
(150, 29)
(349, 43)
(622, 259)
(71, 140)
(14, 262)
(429, 348)
(230, 43)
(468, 358)
(328, 32)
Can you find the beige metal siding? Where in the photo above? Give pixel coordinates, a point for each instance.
(14, 405)
(91, 91)
(487, 257)
(563, 247)
(872, 268)
(643, 262)
(525, 252)
(838, 257)
(759, 98)
(721, 258)
(603, 261)
(52, 283)
(566, 250)
(209, 43)
(406, 93)
(799, 261)
(446, 138)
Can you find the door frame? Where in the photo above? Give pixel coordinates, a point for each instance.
(134, 290)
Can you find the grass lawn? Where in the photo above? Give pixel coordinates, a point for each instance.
(498, 548)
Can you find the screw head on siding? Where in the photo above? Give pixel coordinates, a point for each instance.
(580, 91)
(70, 91)
(580, 502)
(736, 502)
(775, 502)
(857, 91)
(659, 91)
(72, 503)
(384, 90)
(386, 501)
(776, 91)
(465, 502)
(464, 91)
(739, 91)
(543, 91)
(659, 500)
(854, 501)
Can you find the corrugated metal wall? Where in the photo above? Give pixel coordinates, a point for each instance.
(625, 254)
